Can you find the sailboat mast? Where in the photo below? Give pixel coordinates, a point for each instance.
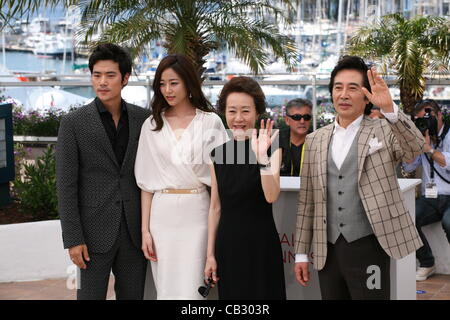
(64, 45)
(339, 28)
(3, 47)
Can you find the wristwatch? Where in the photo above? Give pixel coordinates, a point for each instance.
(265, 163)
(264, 166)
(431, 151)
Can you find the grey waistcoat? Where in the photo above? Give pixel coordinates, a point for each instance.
(345, 212)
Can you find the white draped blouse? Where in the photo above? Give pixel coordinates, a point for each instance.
(165, 162)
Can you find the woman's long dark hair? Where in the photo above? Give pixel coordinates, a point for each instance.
(185, 70)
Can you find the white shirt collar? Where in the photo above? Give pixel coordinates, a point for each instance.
(440, 131)
(354, 125)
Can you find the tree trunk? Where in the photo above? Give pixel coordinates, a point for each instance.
(196, 51)
(199, 51)
(408, 99)
(199, 62)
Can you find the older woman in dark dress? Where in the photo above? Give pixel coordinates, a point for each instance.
(244, 253)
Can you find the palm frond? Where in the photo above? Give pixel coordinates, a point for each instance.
(410, 65)
(14, 9)
(411, 47)
(193, 27)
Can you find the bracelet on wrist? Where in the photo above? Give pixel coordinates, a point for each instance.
(263, 161)
(264, 166)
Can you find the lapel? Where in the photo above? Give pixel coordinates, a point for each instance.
(363, 142)
(323, 156)
(99, 131)
(133, 135)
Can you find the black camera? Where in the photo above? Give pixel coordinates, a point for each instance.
(427, 122)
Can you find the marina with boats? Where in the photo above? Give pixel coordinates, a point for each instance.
(43, 55)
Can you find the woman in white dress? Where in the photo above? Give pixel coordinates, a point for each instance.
(172, 170)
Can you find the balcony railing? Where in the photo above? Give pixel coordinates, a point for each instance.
(303, 83)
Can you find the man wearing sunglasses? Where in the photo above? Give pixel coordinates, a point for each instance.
(298, 118)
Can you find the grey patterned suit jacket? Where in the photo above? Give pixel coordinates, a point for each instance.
(91, 186)
(378, 187)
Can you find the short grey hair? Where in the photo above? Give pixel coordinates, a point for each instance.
(298, 103)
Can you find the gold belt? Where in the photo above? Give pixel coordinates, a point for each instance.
(182, 191)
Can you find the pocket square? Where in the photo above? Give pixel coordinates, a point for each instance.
(374, 145)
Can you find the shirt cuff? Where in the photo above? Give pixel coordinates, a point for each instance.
(299, 257)
(391, 116)
(410, 167)
(447, 160)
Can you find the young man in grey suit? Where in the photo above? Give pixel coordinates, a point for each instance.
(98, 199)
(351, 210)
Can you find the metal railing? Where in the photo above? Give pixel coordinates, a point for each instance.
(313, 80)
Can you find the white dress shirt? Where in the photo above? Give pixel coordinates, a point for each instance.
(342, 141)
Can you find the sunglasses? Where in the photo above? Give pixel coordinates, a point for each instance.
(298, 117)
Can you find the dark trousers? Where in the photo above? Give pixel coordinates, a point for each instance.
(359, 270)
(429, 211)
(128, 265)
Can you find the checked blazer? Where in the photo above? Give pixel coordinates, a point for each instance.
(377, 185)
(92, 188)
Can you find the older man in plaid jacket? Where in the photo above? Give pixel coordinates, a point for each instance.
(351, 209)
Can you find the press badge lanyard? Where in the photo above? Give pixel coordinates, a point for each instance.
(292, 164)
(430, 187)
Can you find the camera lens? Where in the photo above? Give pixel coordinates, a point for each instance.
(421, 124)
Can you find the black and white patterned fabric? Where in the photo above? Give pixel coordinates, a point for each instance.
(92, 189)
(128, 265)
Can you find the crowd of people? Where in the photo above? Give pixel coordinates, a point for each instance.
(171, 191)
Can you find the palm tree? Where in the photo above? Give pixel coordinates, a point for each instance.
(190, 27)
(411, 48)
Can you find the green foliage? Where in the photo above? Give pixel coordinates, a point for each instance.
(24, 8)
(445, 114)
(35, 123)
(35, 186)
(409, 47)
(280, 123)
(190, 27)
(193, 27)
(20, 155)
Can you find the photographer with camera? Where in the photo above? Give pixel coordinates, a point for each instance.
(434, 203)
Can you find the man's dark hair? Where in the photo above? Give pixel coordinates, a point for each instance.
(244, 85)
(110, 51)
(298, 103)
(352, 63)
(427, 103)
